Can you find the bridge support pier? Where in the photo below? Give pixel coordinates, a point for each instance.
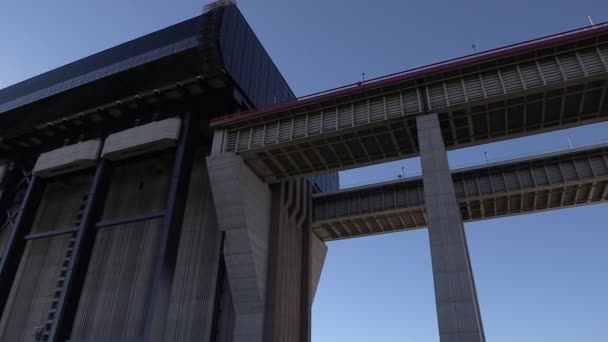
(243, 204)
(456, 299)
(272, 259)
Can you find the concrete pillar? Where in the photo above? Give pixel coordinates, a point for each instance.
(243, 206)
(318, 254)
(456, 299)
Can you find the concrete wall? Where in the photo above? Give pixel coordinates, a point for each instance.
(33, 291)
(268, 251)
(115, 293)
(192, 301)
(289, 293)
(243, 209)
(318, 254)
(257, 285)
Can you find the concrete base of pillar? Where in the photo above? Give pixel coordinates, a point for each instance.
(242, 203)
(273, 261)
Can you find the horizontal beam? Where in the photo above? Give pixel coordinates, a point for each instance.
(485, 58)
(130, 219)
(556, 180)
(51, 233)
(527, 94)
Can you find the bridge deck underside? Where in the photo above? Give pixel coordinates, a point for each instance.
(528, 186)
(530, 93)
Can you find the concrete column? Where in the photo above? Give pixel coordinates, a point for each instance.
(243, 206)
(456, 299)
(318, 254)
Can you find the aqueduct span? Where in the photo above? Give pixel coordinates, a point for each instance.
(156, 191)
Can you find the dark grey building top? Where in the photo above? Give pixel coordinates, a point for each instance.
(140, 51)
(242, 57)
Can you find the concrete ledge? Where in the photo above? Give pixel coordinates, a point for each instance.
(155, 136)
(68, 159)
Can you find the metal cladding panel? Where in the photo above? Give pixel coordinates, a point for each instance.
(248, 63)
(67, 159)
(125, 56)
(147, 138)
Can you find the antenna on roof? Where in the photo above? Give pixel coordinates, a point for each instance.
(590, 20)
(474, 47)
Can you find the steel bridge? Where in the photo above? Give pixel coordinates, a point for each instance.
(142, 212)
(545, 182)
(533, 87)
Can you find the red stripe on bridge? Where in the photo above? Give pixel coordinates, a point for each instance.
(416, 72)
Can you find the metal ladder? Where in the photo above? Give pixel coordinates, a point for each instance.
(43, 334)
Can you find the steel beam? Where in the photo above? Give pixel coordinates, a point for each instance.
(130, 219)
(51, 233)
(16, 244)
(81, 255)
(166, 257)
(520, 90)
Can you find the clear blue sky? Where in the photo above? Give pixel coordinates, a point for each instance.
(540, 277)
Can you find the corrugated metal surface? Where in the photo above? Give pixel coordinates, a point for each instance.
(117, 285)
(38, 278)
(248, 63)
(192, 301)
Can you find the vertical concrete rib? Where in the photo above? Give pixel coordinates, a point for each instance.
(456, 299)
(243, 204)
(289, 283)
